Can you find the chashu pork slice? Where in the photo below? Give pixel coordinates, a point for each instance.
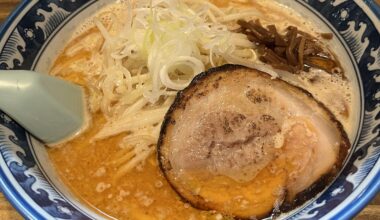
(241, 143)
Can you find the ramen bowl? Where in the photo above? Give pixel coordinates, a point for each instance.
(37, 30)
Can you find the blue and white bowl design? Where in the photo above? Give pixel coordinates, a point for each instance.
(38, 29)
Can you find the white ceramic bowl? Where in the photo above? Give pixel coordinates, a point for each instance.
(36, 30)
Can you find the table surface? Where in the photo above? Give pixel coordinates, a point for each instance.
(371, 212)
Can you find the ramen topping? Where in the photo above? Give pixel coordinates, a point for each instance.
(235, 132)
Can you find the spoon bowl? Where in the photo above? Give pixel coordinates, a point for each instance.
(50, 108)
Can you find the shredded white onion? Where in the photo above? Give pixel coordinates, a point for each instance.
(161, 47)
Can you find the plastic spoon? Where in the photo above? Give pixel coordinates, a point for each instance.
(51, 109)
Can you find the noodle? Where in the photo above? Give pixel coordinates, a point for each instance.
(132, 123)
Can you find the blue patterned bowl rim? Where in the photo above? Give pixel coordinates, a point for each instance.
(366, 154)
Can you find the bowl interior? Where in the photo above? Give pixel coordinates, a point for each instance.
(37, 32)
